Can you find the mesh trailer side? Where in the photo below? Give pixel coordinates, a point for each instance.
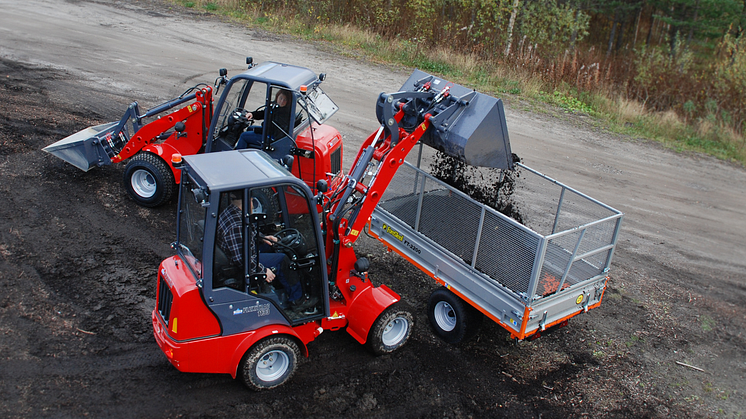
(483, 239)
(565, 243)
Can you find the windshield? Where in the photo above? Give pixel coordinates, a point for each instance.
(191, 225)
(234, 99)
(319, 105)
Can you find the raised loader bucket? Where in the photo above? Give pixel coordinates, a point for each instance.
(471, 126)
(91, 147)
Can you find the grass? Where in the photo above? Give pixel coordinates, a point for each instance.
(617, 114)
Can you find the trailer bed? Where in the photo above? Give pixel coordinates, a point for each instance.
(527, 277)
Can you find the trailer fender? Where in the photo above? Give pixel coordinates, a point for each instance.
(366, 308)
(256, 336)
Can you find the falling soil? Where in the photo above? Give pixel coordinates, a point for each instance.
(491, 187)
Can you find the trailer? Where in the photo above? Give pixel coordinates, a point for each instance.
(525, 277)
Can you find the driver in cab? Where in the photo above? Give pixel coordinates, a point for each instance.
(279, 122)
(276, 266)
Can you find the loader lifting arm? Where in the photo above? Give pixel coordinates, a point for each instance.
(195, 116)
(117, 141)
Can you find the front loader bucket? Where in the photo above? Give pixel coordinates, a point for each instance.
(91, 147)
(472, 128)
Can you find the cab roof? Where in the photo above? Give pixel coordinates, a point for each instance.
(285, 75)
(229, 170)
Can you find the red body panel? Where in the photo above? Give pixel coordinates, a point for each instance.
(325, 141)
(223, 354)
(364, 301)
(192, 338)
(368, 305)
(189, 316)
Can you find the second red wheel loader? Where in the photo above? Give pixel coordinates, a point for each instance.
(146, 141)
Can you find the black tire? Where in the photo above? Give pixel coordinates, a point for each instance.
(451, 318)
(391, 330)
(269, 363)
(149, 180)
(266, 202)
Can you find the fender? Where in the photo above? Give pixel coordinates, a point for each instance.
(165, 151)
(259, 334)
(366, 308)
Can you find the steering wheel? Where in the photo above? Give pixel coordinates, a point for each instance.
(290, 239)
(237, 119)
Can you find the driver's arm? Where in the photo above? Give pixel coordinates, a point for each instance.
(253, 115)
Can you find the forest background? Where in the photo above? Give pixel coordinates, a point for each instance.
(669, 70)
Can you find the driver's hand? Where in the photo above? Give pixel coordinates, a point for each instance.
(270, 275)
(249, 115)
(270, 240)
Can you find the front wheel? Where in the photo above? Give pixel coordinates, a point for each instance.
(149, 180)
(269, 363)
(452, 319)
(390, 330)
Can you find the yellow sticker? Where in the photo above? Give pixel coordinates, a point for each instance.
(579, 299)
(174, 327)
(354, 232)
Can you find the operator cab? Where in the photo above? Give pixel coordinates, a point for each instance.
(236, 209)
(267, 101)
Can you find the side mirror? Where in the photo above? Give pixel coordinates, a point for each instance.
(221, 80)
(250, 61)
(322, 76)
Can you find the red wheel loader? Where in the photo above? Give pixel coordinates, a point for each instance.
(146, 141)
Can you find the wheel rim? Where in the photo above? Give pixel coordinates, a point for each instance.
(445, 316)
(395, 331)
(272, 365)
(257, 205)
(143, 183)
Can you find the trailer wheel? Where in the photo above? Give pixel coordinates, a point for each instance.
(149, 180)
(269, 363)
(451, 318)
(390, 330)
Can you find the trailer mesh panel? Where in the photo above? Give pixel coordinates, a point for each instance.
(576, 232)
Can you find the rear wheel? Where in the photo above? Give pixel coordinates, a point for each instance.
(270, 363)
(451, 318)
(149, 180)
(390, 330)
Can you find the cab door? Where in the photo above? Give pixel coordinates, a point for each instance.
(289, 240)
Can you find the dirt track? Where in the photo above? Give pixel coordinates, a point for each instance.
(78, 258)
